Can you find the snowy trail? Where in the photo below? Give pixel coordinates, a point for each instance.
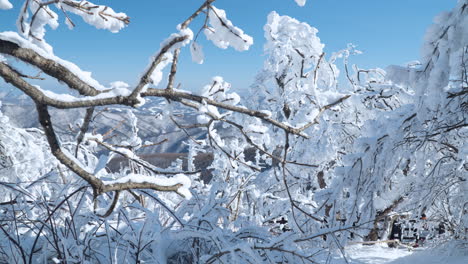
(358, 254)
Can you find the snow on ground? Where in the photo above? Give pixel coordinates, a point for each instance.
(379, 254)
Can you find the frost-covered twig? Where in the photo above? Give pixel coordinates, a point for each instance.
(84, 128)
(175, 95)
(112, 205)
(231, 157)
(176, 54)
(322, 110)
(262, 150)
(160, 57)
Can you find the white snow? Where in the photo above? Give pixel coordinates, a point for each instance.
(4, 4)
(69, 23)
(254, 128)
(101, 164)
(382, 254)
(186, 32)
(224, 34)
(101, 17)
(91, 140)
(157, 74)
(376, 254)
(119, 84)
(45, 16)
(158, 180)
(24, 43)
(284, 29)
(300, 2)
(70, 98)
(218, 91)
(197, 53)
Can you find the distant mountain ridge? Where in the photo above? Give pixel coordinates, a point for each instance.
(22, 113)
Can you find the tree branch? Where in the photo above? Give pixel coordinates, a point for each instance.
(48, 66)
(98, 186)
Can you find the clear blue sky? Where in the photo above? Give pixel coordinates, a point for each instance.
(388, 32)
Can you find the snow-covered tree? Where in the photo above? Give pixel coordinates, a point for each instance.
(413, 158)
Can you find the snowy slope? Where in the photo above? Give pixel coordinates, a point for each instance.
(359, 254)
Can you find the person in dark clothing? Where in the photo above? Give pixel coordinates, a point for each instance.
(441, 228)
(395, 233)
